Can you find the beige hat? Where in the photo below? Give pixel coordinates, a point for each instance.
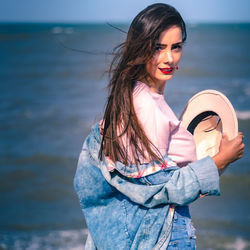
(207, 115)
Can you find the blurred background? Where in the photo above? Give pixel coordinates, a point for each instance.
(53, 61)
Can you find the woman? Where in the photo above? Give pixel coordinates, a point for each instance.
(137, 171)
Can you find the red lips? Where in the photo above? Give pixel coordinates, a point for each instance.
(166, 70)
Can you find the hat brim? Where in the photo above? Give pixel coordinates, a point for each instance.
(204, 104)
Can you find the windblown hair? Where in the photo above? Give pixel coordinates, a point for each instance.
(127, 67)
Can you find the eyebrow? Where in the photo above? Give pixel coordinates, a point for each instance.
(164, 45)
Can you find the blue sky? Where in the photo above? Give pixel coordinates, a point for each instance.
(120, 11)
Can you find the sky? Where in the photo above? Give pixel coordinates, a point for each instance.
(118, 11)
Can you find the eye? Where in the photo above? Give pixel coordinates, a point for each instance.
(177, 47)
(158, 48)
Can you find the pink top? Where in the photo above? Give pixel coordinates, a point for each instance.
(162, 126)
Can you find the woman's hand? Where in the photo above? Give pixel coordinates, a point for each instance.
(229, 151)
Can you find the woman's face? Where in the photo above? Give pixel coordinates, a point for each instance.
(167, 55)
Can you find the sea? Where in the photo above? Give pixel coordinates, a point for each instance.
(53, 80)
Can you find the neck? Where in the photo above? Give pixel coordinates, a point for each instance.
(159, 90)
(156, 87)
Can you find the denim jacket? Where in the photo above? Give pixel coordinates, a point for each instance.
(135, 213)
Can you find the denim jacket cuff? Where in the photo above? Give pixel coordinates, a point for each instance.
(208, 176)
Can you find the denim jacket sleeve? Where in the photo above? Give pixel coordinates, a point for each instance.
(185, 184)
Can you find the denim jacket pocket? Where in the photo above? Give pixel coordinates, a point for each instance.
(133, 215)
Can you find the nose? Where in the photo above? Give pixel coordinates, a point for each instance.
(168, 57)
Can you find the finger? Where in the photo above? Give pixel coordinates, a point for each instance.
(241, 152)
(241, 147)
(239, 139)
(240, 134)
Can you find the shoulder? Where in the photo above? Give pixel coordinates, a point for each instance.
(141, 89)
(142, 99)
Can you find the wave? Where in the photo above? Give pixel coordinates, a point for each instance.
(238, 244)
(51, 240)
(59, 30)
(75, 240)
(243, 115)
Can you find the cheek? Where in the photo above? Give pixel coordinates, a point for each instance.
(178, 57)
(151, 66)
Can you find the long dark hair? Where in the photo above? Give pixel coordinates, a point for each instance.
(127, 67)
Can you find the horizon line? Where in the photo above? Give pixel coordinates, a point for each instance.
(114, 22)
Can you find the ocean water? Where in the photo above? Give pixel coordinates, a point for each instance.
(53, 88)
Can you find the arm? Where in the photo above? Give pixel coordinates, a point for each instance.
(200, 177)
(184, 186)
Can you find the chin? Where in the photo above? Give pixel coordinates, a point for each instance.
(168, 77)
